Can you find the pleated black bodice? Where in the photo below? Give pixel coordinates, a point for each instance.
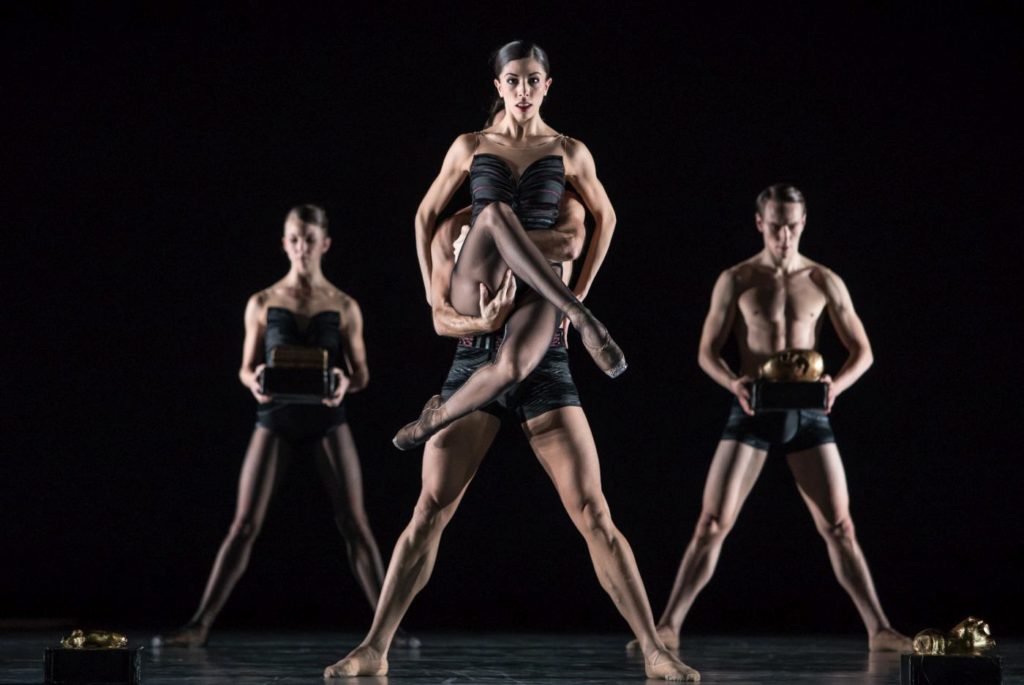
(534, 196)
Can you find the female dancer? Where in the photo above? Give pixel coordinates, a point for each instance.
(303, 308)
(517, 170)
(547, 405)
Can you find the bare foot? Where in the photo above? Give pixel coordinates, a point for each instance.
(189, 635)
(665, 665)
(363, 660)
(669, 637)
(889, 640)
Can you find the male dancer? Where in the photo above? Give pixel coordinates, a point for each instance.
(548, 408)
(775, 301)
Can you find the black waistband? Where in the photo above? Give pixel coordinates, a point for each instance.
(492, 341)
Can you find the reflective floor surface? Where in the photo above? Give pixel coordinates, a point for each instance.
(447, 659)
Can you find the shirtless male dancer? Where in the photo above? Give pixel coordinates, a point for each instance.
(775, 301)
(549, 410)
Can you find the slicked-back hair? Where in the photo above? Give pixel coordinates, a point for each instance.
(779, 192)
(310, 214)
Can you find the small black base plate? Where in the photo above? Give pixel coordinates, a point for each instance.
(933, 669)
(63, 666)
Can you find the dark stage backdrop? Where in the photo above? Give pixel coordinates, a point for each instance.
(150, 160)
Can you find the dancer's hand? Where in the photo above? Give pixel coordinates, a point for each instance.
(738, 386)
(254, 385)
(342, 382)
(831, 392)
(494, 310)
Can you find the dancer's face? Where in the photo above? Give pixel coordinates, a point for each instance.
(304, 243)
(782, 225)
(522, 84)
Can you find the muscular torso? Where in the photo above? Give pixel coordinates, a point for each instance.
(776, 311)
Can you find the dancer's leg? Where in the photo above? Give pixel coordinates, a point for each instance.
(528, 334)
(733, 472)
(565, 447)
(264, 464)
(821, 480)
(338, 463)
(498, 242)
(450, 461)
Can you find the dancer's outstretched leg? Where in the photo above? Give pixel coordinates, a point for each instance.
(528, 334)
(264, 463)
(820, 476)
(498, 242)
(449, 463)
(565, 447)
(338, 464)
(731, 476)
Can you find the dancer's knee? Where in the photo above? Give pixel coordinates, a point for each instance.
(594, 519)
(837, 529)
(351, 524)
(511, 369)
(428, 518)
(713, 527)
(244, 530)
(495, 214)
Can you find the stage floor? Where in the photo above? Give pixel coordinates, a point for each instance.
(286, 658)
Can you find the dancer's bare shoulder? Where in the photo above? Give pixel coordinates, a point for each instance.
(821, 274)
(338, 300)
(577, 158)
(257, 304)
(745, 273)
(461, 151)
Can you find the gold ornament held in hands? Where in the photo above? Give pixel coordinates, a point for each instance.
(804, 366)
(970, 636)
(94, 639)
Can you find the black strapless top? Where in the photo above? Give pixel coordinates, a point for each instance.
(302, 423)
(534, 198)
(323, 331)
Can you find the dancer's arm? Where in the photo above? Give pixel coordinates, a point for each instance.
(453, 172)
(355, 348)
(564, 241)
(713, 337)
(252, 348)
(850, 330)
(580, 168)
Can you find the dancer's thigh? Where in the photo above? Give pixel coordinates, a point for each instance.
(451, 458)
(479, 262)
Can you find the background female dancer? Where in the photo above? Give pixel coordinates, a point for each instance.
(548, 408)
(303, 308)
(517, 170)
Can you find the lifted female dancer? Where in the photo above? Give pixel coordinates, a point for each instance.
(517, 170)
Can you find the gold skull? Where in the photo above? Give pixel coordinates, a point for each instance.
(94, 639)
(930, 641)
(793, 365)
(971, 635)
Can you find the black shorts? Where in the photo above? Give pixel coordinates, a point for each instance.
(300, 423)
(796, 429)
(549, 386)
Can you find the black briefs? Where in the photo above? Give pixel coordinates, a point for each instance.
(300, 423)
(796, 429)
(549, 386)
